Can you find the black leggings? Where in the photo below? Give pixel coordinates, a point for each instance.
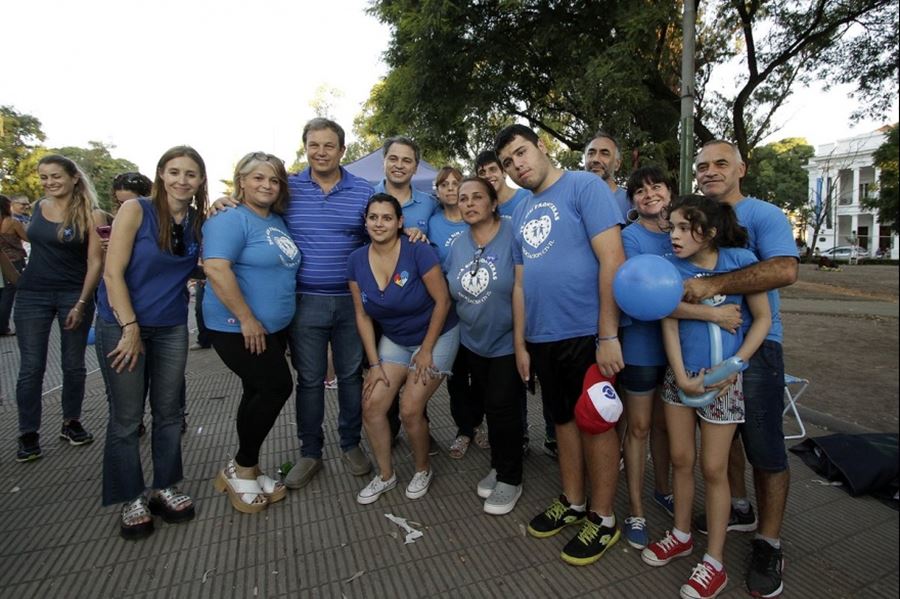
(267, 382)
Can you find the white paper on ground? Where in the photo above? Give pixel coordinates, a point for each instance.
(411, 533)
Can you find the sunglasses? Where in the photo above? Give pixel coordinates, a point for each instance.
(476, 259)
(263, 157)
(178, 239)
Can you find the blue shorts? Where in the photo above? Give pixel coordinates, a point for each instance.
(641, 380)
(762, 431)
(443, 354)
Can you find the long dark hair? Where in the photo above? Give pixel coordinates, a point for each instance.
(706, 214)
(491, 192)
(160, 198)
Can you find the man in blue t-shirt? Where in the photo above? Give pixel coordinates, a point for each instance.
(603, 157)
(719, 169)
(401, 160)
(567, 247)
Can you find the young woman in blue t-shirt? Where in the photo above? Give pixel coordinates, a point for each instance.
(706, 239)
(401, 286)
(142, 323)
(251, 264)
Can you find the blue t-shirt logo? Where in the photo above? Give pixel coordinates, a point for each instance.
(290, 255)
(536, 229)
(477, 283)
(400, 278)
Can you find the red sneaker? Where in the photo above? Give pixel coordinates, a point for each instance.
(663, 551)
(705, 582)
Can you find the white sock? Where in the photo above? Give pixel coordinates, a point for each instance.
(776, 543)
(578, 508)
(716, 564)
(741, 504)
(681, 537)
(607, 521)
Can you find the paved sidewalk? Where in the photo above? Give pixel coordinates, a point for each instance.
(59, 542)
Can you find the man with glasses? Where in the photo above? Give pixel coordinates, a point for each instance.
(21, 208)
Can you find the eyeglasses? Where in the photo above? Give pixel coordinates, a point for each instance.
(263, 157)
(178, 239)
(476, 259)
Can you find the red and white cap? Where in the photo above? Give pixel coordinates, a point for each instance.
(599, 407)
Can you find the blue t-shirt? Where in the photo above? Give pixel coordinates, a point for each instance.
(620, 195)
(507, 208)
(642, 343)
(418, 210)
(484, 299)
(443, 232)
(404, 307)
(553, 232)
(326, 228)
(770, 237)
(156, 280)
(264, 260)
(694, 334)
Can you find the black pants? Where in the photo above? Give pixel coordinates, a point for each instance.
(496, 385)
(267, 383)
(466, 407)
(204, 335)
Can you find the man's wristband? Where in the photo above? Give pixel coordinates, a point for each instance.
(608, 338)
(122, 327)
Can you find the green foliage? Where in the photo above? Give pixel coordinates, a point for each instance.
(888, 201)
(775, 173)
(459, 71)
(100, 166)
(20, 135)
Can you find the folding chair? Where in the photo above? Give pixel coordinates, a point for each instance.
(791, 396)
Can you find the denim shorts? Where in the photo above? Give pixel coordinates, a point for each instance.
(443, 354)
(641, 380)
(762, 431)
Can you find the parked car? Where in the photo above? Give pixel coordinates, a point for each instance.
(843, 252)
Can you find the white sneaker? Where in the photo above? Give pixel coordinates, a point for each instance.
(419, 484)
(502, 499)
(375, 488)
(486, 485)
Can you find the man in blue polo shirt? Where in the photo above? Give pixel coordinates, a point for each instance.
(325, 218)
(719, 169)
(603, 157)
(401, 160)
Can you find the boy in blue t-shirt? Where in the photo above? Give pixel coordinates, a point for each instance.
(567, 247)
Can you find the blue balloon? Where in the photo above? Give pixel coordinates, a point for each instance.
(648, 287)
(91, 336)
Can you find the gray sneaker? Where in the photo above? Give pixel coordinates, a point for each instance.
(503, 499)
(486, 485)
(302, 472)
(356, 462)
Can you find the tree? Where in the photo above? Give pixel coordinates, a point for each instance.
(20, 135)
(100, 166)
(459, 70)
(775, 173)
(887, 203)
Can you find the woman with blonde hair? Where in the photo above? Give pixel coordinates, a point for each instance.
(59, 283)
(142, 324)
(251, 264)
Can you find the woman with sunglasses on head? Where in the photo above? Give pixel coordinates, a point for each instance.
(481, 274)
(400, 286)
(142, 324)
(63, 271)
(251, 264)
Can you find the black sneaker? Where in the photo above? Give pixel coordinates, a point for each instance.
(29, 448)
(591, 542)
(738, 521)
(764, 574)
(554, 519)
(75, 434)
(550, 448)
(526, 446)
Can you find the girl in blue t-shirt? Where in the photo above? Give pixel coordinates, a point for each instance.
(401, 286)
(706, 239)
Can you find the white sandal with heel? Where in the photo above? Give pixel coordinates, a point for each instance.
(246, 494)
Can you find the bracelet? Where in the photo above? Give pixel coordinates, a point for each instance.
(608, 338)
(378, 363)
(81, 301)
(122, 327)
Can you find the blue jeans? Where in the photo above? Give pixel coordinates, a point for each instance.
(762, 430)
(318, 320)
(165, 355)
(34, 315)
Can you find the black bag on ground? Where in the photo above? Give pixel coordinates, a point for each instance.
(865, 464)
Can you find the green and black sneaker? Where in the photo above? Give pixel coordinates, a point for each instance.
(591, 542)
(555, 518)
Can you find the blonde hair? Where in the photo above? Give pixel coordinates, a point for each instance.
(160, 198)
(78, 214)
(248, 164)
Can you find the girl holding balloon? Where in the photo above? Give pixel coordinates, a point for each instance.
(706, 239)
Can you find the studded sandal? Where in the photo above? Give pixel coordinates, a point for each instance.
(173, 505)
(136, 521)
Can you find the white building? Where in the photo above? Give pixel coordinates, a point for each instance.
(841, 174)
